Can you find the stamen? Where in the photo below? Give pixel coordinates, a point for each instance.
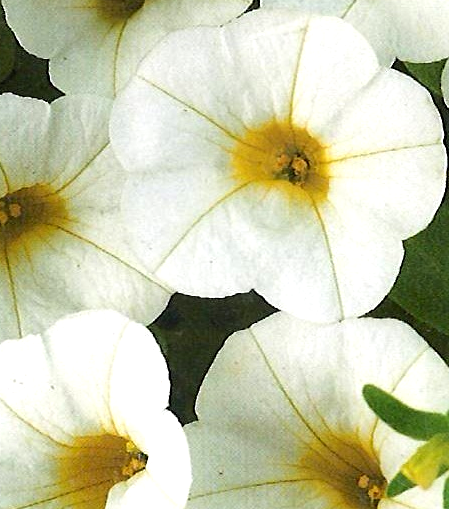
(363, 482)
(3, 217)
(300, 166)
(287, 158)
(15, 210)
(293, 168)
(282, 161)
(137, 460)
(9, 210)
(374, 489)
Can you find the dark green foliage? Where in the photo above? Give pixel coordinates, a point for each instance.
(428, 75)
(8, 48)
(192, 330)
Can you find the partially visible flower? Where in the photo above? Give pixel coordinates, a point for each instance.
(411, 30)
(83, 419)
(94, 46)
(282, 417)
(445, 84)
(275, 153)
(63, 241)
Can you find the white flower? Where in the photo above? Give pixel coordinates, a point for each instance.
(282, 421)
(94, 46)
(274, 153)
(83, 419)
(445, 84)
(411, 30)
(63, 242)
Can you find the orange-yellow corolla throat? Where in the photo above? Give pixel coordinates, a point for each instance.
(279, 155)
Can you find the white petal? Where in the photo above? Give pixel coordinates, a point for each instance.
(346, 259)
(24, 146)
(284, 404)
(210, 242)
(369, 167)
(331, 71)
(72, 365)
(54, 143)
(445, 84)
(325, 7)
(407, 127)
(376, 21)
(384, 173)
(93, 53)
(371, 18)
(160, 17)
(410, 30)
(421, 29)
(89, 63)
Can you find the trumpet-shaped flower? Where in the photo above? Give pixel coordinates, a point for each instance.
(83, 419)
(94, 46)
(274, 153)
(63, 241)
(411, 30)
(293, 430)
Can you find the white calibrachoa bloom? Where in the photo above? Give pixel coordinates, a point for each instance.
(445, 84)
(292, 428)
(63, 241)
(278, 156)
(411, 30)
(94, 46)
(83, 419)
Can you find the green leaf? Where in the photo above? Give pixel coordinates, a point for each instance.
(402, 418)
(398, 485)
(8, 47)
(428, 75)
(422, 287)
(446, 494)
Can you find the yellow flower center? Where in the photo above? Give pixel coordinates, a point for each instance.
(28, 210)
(89, 468)
(346, 472)
(280, 155)
(118, 9)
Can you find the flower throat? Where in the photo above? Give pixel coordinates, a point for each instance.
(279, 155)
(28, 210)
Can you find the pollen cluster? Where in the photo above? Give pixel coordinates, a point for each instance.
(374, 489)
(278, 154)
